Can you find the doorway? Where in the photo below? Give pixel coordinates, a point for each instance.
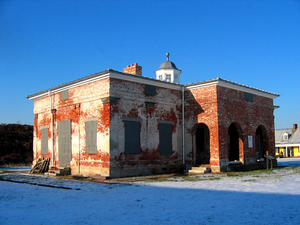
(233, 143)
(261, 145)
(202, 144)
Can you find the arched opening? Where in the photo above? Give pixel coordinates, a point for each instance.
(261, 142)
(202, 144)
(233, 143)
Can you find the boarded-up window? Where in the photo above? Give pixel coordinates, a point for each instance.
(248, 97)
(150, 89)
(64, 95)
(132, 137)
(44, 141)
(64, 143)
(91, 137)
(165, 139)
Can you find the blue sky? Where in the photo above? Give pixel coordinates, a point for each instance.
(47, 43)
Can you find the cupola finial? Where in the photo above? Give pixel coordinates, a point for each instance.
(168, 54)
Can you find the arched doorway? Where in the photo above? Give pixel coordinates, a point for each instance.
(233, 143)
(261, 142)
(202, 144)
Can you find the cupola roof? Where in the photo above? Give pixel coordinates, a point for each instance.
(168, 64)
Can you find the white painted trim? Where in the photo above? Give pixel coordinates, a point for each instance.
(146, 80)
(67, 87)
(91, 119)
(132, 119)
(44, 127)
(166, 122)
(287, 145)
(235, 86)
(116, 75)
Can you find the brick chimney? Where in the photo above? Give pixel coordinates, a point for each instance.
(133, 69)
(295, 126)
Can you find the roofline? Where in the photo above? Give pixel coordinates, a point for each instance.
(287, 144)
(232, 85)
(167, 69)
(102, 75)
(151, 81)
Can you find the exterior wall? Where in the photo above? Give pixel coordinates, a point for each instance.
(201, 107)
(247, 116)
(84, 103)
(296, 151)
(165, 106)
(112, 101)
(282, 150)
(287, 150)
(218, 107)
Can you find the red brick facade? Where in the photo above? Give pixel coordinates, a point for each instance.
(232, 114)
(218, 107)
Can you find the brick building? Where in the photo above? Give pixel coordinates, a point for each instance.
(118, 124)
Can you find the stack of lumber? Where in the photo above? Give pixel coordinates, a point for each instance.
(41, 166)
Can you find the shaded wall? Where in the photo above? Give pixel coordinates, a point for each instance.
(163, 105)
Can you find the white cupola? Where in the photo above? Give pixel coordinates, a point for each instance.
(168, 72)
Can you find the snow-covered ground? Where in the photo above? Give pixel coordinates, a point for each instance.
(237, 198)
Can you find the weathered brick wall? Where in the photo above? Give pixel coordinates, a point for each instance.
(110, 100)
(218, 107)
(201, 107)
(132, 104)
(248, 116)
(91, 101)
(84, 103)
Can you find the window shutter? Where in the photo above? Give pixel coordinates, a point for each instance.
(132, 137)
(165, 139)
(44, 141)
(91, 137)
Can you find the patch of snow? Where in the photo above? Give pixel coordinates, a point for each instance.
(19, 169)
(264, 198)
(288, 162)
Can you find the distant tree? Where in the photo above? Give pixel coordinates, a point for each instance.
(16, 144)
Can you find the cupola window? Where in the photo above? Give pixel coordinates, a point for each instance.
(168, 77)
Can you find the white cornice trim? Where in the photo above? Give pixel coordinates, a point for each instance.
(73, 85)
(145, 80)
(234, 86)
(287, 144)
(110, 74)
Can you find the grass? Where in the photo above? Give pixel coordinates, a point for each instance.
(7, 171)
(248, 176)
(250, 180)
(185, 179)
(254, 173)
(263, 173)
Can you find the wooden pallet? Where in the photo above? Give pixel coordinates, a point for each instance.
(41, 166)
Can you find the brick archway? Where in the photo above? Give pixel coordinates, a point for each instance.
(261, 142)
(235, 143)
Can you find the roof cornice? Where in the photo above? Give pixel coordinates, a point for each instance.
(231, 85)
(144, 80)
(102, 75)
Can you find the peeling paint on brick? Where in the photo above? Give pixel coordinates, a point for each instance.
(109, 100)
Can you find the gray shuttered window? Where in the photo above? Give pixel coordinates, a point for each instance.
(165, 139)
(132, 137)
(64, 142)
(248, 97)
(91, 137)
(64, 95)
(150, 89)
(44, 141)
